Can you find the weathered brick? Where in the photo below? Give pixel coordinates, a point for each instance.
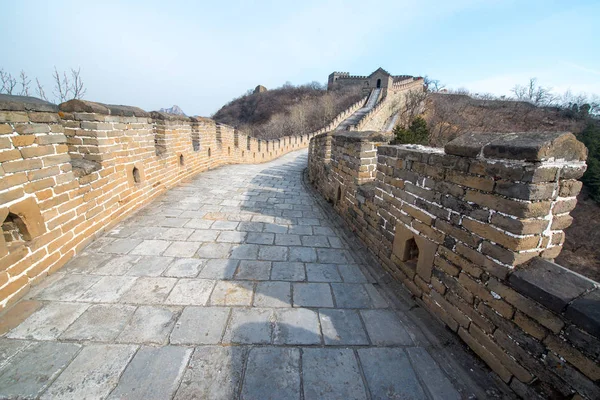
(27, 129)
(453, 311)
(520, 226)
(457, 233)
(475, 287)
(527, 306)
(583, 341)
(22, 140)
(11, 195)
(5, 143)
(517, 370)
(22, 165)
(5, 129)
(12, 180)
(482, 261)
(437, 310)
(429, 232)
(564, 206)
(445, 266)
(471, 181)
(13, 287)
(528, 343)
(511, 242)
(43, 117)
(560, 222)
(508, 171)
(42, 173)
(9, 155)
(506, 256)
(512, 207)
(531, 363)
(577, 380)
(450, 188)
(465, 208)
(470, 312)
(461, 262)
(590, 368)
(50, 139)
(529, 326)
(486, 355)
(453, 284)
(525, 191)
(418, 214)
(569, 188)
(13, 116)
(37, 151)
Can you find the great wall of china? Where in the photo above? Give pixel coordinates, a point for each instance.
(470, 230)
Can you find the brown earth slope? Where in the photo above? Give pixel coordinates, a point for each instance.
(450, 115)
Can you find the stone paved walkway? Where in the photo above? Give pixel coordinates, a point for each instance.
(235, 285)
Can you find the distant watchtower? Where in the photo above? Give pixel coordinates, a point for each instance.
(380, 78)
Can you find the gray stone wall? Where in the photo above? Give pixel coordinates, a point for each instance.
(472, 231)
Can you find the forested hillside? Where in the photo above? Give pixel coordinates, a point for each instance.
(287, 110)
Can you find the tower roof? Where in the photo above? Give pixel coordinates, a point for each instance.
(380, 70)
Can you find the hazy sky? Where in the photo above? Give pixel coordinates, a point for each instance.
(201, 54)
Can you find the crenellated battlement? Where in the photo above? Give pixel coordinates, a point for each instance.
(70, 172)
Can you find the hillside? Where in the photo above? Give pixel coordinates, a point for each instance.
(286, 110)
(450, 115)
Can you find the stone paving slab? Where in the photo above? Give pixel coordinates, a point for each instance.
(272, 373)
(49, 322)
(232, 285)
(94, 373)
(200, 325)
(100, 322)
(149, 324)
(214, 372)
(32, 370)
(153, 374)
(321, 384)
(389, 374)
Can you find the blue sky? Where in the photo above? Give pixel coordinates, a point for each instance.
(201, 54)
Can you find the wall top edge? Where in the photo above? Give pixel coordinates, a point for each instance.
(25, 103)
(522, 146)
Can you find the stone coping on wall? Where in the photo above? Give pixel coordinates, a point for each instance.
(526, 146)
(84, 106)
(367, 136)
(25, 103)
(560, 290)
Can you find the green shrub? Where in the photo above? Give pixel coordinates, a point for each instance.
(417, 133)
(590, 136)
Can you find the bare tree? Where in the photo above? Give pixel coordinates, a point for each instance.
(433, 85)
(25, 82)
(8, 82)
(40, 90)
(62, 86)
(77, 87)
(66, 86)
(411, 105)
(534, 93)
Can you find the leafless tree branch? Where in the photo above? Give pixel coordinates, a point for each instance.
(25, 82)
(8, 82)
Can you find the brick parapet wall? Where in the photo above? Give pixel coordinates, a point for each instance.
(68, 174)
(390, 104)
(471, 232)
